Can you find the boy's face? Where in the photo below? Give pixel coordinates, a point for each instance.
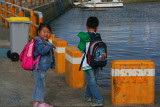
(91, 29)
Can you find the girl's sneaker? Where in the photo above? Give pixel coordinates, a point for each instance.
(44, 105)
(35, 104)
(48, 105)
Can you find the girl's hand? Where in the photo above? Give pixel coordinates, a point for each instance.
(54, 47)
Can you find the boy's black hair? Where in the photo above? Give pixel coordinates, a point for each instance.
(44, 25)
(92, 22)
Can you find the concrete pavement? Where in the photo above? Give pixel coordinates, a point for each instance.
(17, 84)
(16, 88)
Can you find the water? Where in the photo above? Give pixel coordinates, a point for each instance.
(132, 32)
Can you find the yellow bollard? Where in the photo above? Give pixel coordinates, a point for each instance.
(60, 45)
(74, 78)
(132, 82)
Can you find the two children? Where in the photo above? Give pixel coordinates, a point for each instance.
(91, 74)
(46, 61)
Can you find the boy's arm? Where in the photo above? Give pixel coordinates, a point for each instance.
(42, 50)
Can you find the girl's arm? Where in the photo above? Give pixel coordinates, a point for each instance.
(53, 60)
(42, 50)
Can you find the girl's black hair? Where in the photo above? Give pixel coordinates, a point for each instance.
(44, 25)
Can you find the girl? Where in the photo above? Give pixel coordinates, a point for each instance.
(44, 49)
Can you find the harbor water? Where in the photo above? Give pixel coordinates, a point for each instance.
(131, 33)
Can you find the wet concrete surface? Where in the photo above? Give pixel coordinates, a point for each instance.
(17, 84)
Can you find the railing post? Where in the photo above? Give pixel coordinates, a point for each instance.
(43, 1)
(34, 22)
(31, 3)
(1, 12)
(6, 15)
(40, 17)
(31, 26)
(11, 9)
(20, 3)
(39, 2)
(13, 1)
(15, 9)
(21, 12)
(35, 2)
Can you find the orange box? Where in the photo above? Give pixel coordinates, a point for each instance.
(74, 78)
(59, 53)
(132, 82)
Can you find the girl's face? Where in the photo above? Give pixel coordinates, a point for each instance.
(44, 33)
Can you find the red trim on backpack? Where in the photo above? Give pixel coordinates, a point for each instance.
(89, 58)
(95, 42)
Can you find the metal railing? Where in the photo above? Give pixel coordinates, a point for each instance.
(8, 9)
(30, 3)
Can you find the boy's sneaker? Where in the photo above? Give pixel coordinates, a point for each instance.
(93, 104)
(89, 99)
(35, 104)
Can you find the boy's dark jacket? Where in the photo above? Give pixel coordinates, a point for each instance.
(47, 59)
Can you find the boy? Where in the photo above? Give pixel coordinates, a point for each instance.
(90, 73)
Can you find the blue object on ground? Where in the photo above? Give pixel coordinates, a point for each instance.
(3, 53)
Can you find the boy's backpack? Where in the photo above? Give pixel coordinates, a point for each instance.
(27, 56)
(97, 52)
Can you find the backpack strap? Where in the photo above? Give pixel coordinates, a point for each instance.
(21, 55)
(82, 60)
(37, 60)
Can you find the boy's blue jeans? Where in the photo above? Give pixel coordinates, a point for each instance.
(40, 85)
(92, 89)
